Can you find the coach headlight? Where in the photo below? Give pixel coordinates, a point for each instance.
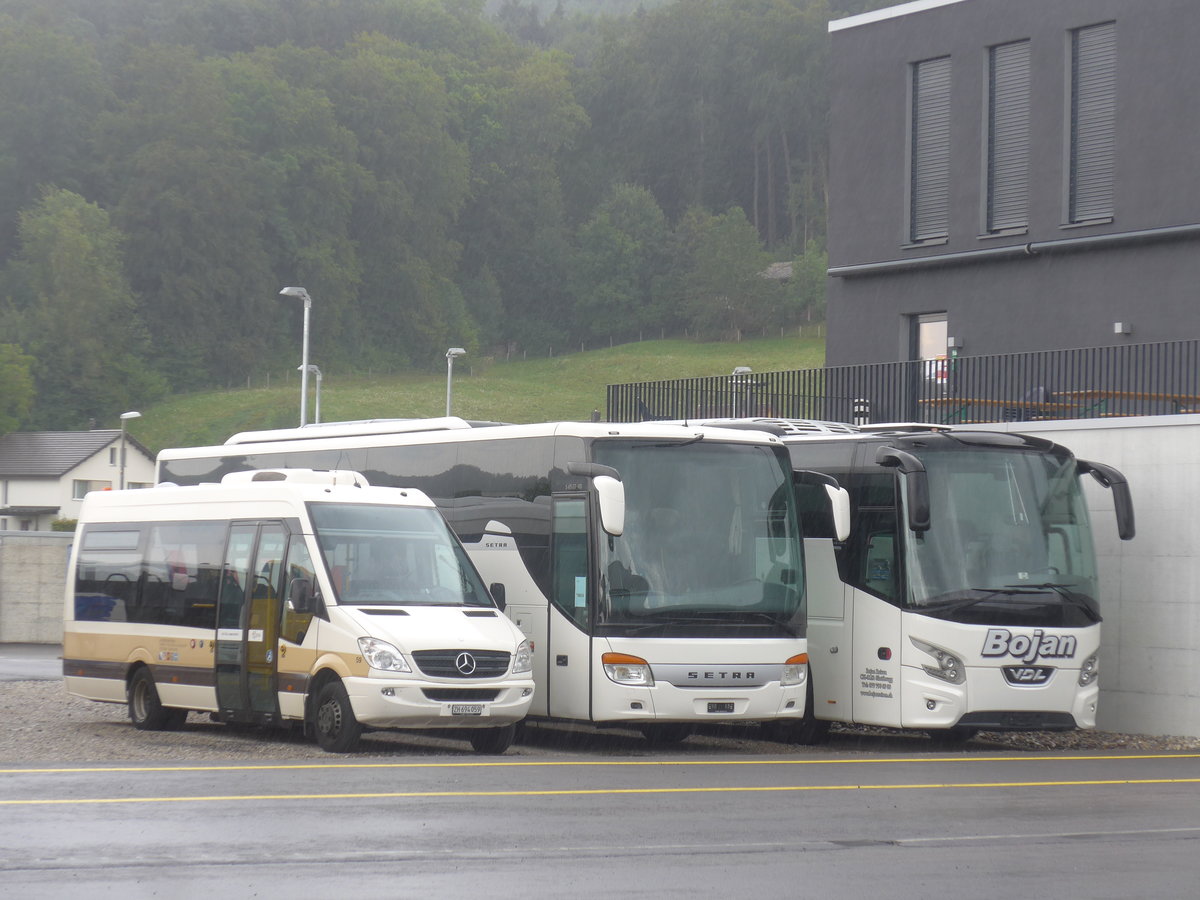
(795, 670)
(949, 667)
(1089, 671)
(625, 669)
(523, 660)
(382, 655)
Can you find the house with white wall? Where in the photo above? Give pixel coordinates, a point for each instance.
(44, 475)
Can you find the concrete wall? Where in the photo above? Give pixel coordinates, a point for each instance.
(33, 576)
(1150, 589)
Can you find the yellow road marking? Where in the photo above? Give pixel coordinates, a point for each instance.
(518, 764)
(579, 792)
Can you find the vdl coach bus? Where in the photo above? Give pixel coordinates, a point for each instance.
(289, 596)
(965, 598)
(656, 569)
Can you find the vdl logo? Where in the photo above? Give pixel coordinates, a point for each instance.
(1028, 676)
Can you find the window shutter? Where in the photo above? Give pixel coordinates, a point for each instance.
(930, 188)
(1008, 137)
(1093, 116)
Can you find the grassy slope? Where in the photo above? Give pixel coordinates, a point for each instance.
(535, 390)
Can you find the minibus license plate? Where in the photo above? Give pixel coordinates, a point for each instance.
(720, 707)
(466, 709)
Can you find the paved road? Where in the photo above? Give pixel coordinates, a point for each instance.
(30, 662)
(831, 825)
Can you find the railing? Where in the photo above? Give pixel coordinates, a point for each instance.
(1125, 380)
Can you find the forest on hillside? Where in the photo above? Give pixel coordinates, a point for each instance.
(501, 176)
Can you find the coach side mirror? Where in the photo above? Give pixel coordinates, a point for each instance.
(917, 481)
(611, 494)
(1122, 500)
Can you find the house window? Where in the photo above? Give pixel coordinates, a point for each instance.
(80, 487)
(112, 456)
(1008, 137)
(929, 151)
(1092, 125)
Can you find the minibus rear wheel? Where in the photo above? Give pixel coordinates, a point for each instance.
(337, 729)
(146, 711)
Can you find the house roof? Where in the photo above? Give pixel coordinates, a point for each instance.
(54, 453)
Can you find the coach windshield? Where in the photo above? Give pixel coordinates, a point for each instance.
(710, 542)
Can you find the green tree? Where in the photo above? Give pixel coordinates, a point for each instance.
(51, 89)
(16, 387)
(620, 266)
(76, 314)
(727, 292)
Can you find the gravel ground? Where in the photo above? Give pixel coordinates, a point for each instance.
(42, 724)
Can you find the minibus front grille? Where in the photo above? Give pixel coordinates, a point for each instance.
(460, 695)
(462, 663)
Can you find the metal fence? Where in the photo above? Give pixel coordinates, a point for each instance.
(1126, 380)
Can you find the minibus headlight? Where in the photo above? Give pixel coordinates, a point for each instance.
(795, 670)
(382, 655)
(523, 660)
(949, 667)
(625, 669)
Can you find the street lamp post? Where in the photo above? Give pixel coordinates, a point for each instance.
(301, 294)
(317, 409)
(125, 417)
(452, 354)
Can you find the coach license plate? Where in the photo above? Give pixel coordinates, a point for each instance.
(466, 709)
(720, 707)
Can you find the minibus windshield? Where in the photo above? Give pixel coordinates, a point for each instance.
(394, 556)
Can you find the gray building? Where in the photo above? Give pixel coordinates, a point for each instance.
(1013, 175)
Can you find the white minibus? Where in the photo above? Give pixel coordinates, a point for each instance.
(289, 596)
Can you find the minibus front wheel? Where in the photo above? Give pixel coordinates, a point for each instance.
(146, 711)
(333, 717)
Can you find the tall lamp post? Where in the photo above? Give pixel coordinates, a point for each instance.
(125, 417)
(452, 354)
(301, 294)
(317, 409)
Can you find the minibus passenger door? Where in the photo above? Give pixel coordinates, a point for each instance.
(248, 621)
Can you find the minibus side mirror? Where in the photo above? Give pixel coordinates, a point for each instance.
(301, 597)
(497, 591)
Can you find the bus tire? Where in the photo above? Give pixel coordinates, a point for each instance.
(146, 711)
(952, 737)
(807, 731)
(493, 740)
(663, 734)
(336, 728)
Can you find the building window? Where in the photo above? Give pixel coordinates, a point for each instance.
(1092, 125)
(929, 151)
(112, 456)
(1008, 137)
(80, 487)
